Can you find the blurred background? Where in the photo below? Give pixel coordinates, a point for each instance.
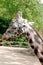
(32, 11)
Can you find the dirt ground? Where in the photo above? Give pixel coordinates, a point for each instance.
(17, 56)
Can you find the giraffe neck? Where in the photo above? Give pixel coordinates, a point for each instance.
(36, 43)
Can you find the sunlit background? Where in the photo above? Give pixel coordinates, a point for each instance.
(41, 1)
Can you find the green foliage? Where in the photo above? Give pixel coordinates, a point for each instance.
(21, 39)
(0, 36)
(4, 23)
(5, 44)
(31, 10)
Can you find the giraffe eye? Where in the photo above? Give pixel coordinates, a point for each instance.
(15, 32)
(14, 27)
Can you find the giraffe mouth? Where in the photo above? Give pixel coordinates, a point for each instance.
(4, 38)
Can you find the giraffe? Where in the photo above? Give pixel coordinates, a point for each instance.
(20, 26)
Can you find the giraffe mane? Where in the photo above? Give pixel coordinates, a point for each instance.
(37, 32)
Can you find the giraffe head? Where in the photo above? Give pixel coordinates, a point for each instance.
(17, 27)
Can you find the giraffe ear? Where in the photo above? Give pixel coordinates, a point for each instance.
(31, 23)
